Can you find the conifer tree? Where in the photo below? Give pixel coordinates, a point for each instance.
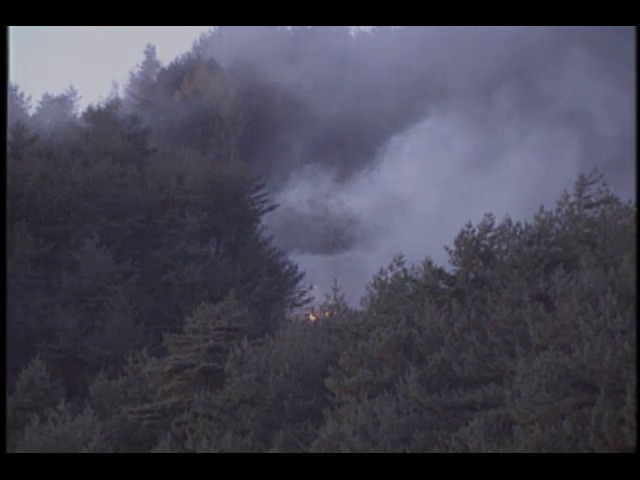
(36, 391)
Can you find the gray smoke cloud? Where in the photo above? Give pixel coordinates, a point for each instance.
(483, 119)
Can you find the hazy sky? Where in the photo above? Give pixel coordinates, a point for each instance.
(49, 59)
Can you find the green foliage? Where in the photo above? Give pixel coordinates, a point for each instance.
(147, 309)
(18, 106)
(190, 105)
(113, 243)
(527, 345)
(61, 431)
(194, 364)
(111, 133)
(94, 319)
(274, 397)
(21, 141)
(141, 81)
(35, 392)
(115, 401)
(56, 116)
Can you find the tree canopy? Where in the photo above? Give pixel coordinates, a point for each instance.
(148, 310)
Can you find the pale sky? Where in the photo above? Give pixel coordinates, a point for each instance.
(49, 59)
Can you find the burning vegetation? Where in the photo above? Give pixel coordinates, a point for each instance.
(316, 313)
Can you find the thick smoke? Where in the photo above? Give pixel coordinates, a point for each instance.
(403, 135)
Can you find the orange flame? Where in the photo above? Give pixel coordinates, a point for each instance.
(312, 316)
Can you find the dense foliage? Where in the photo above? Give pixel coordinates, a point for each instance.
(147, 310)
(115, 236)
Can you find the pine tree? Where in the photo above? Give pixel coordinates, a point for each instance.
(194, 364)
(35, 392)
(274, 398)
(139, 90)
(18, 106)
(62, 431)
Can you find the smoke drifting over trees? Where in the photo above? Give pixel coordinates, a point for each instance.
(163, 242)
(409, 132)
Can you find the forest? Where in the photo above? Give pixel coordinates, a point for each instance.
(150, 309)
